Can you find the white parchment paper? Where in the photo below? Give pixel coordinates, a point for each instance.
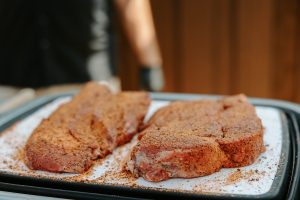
(250, 180)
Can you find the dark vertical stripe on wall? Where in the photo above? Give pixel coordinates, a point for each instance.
(215, 50)
(233, 34)
(178, 50)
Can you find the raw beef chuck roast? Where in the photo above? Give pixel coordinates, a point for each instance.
(196, 138)
(88, 127)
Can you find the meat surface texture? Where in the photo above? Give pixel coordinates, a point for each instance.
(195, 138)
(88, 127)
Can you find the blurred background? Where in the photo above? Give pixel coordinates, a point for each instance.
(197, 46)
(227, 47)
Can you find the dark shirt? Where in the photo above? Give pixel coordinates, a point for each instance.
(44, 42)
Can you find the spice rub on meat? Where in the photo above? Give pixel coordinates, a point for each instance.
(88, 127)
(196, 138)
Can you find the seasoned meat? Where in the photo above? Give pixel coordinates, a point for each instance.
(88, 127)
(196, 138)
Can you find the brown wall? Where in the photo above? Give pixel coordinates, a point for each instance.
(226, 47)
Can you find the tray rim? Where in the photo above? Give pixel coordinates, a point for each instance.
(38, 103)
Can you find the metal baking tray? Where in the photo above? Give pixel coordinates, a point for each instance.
(284, 184)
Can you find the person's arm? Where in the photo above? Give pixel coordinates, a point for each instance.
(138, 24)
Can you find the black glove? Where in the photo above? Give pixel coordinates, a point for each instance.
(151, 78)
